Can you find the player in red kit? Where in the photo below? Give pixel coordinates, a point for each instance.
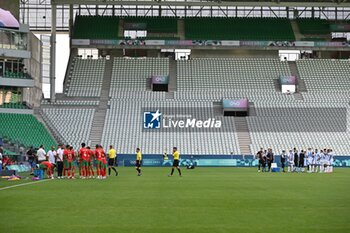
(84, 155)
(65, 161)
(70, 156)
(91, 173)
(104, 163)
(99, 154)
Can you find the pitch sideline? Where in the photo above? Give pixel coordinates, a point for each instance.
(18, 185)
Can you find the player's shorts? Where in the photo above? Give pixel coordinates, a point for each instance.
(176, 163)
(310, 161)
(291, 163)
(65, 163)
(71, 164)
(111, 162)
(138, 163)
(99, 163)
(85, 163)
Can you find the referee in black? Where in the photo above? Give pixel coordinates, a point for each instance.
(176, 163)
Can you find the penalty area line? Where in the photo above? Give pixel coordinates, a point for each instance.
(18, 185)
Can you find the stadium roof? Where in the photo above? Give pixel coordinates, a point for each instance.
(271, 3)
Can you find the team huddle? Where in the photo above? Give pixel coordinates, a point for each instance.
(313, 160)
(65, 159)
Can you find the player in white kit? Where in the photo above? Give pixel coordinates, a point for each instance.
(290, 161)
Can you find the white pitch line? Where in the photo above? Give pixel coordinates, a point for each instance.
(18, 185)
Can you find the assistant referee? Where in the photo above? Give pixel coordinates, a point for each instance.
(112, 157)
(176, 163)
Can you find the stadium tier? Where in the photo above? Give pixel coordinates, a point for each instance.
(230, 73)
(85, 77)
(96, 27)
(123, 128)
(222, 28)
(325, 74)
(204, 82)
(25, 130)
(310, 26)
(74, 125)
(134, 73)
(154, 24)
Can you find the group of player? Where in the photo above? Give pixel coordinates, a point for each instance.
(313, 160)
(65, 159)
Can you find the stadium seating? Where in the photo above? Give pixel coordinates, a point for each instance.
(325, 74)
(134, 73)
(123, 128)
(230, 73)
(13, 105)
(85, 78)
(95, 27)
(21, 75)
(24, 129)
(311, 26)
(71, 102)
(155, 24)
(222, 28)
(73, 125)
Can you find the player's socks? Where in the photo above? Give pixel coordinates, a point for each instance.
(109, 171)
(179, 170)
(68, 173)
(172, 171)
(73, 173)
(115, 170)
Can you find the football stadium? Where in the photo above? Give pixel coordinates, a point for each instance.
(174, 116)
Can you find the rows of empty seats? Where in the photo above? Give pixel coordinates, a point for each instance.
(230, 73)
(72, 102)
(134, 73)
(24, 129)
(254, 95)
(124, 129)
(138, 95)
(325, 74)
(85, 78)
(73, 125)
(301, 125)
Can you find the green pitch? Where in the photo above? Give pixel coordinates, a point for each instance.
(204, 200)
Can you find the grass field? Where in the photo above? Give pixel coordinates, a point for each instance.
(203, 200)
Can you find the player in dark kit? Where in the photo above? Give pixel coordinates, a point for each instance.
(138, 161)
(176, 163)
(269, 159)
(259, 156)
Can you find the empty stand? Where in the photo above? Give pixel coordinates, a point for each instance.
(95, 27)
(133, 73)
(222, 28)
(325, 74)
(230, 73)
(24, 129)
(85, 78)
(73, 125)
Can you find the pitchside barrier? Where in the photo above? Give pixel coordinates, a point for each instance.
(152, 160)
